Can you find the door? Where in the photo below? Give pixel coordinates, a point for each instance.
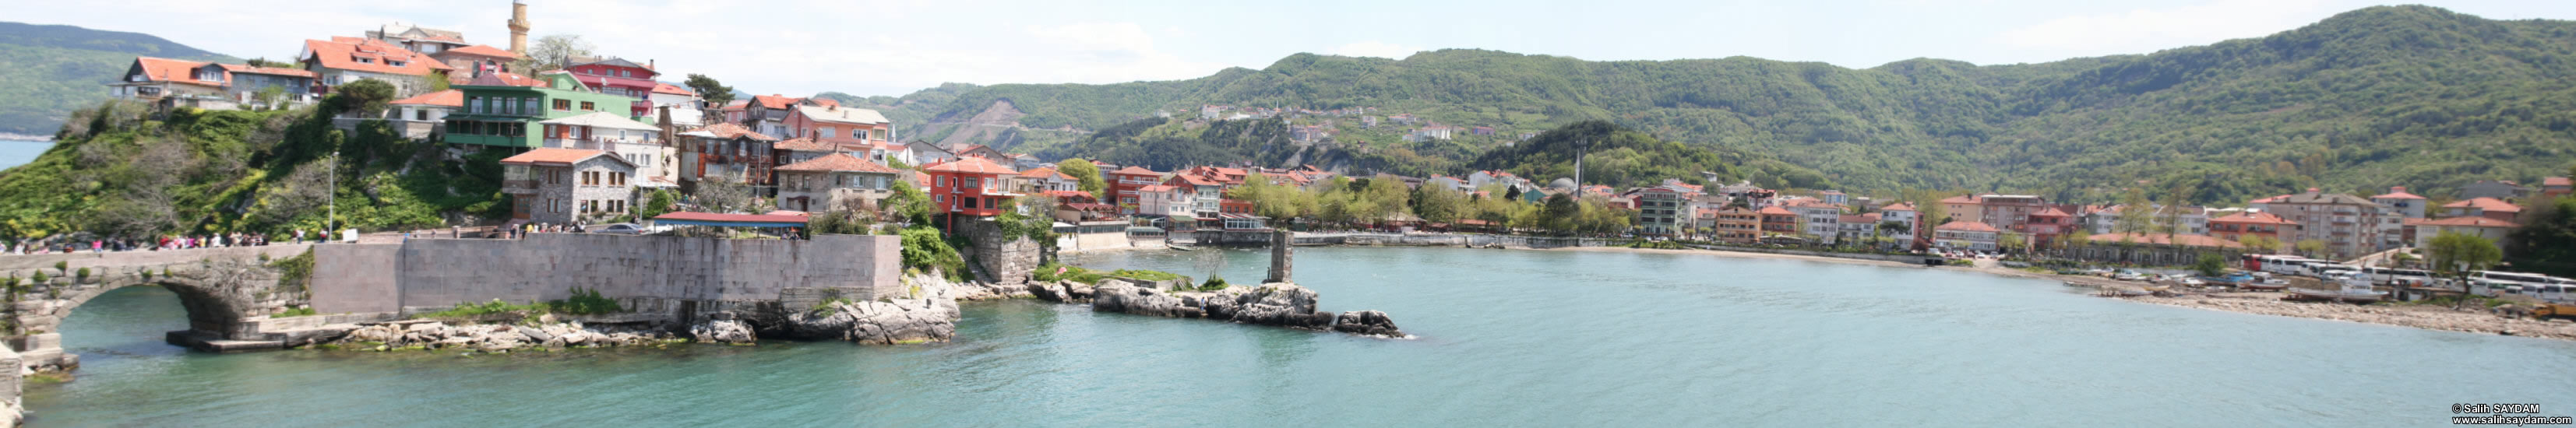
(519, 207)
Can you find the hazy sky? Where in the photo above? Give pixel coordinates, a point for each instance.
(893, 47)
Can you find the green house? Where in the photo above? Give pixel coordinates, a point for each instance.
(502, 110)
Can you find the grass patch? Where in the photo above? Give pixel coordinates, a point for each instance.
(583, 302)
(296, 312)
(1063, 272)
(48, 378)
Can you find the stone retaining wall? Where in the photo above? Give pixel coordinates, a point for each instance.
(644, 271)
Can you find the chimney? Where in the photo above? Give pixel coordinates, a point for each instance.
(648, 64)
(2397, 189)
(2312, 191)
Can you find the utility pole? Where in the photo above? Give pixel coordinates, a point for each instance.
(331, 218)
(1580, 146)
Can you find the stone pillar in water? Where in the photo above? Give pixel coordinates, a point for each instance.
(1280, 246)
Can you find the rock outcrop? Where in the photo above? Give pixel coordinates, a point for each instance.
(494, 337)
(929, 316)
(1371, 323)
(725, 331)
(1278, 304)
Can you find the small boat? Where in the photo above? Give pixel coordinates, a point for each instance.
(1180, 247)
(2270, 284)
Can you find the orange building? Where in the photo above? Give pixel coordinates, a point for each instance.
(970, 186)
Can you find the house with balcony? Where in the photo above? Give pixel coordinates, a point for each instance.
(2235, 227)
(421, 117)
(2482, 207)
(2479, 226)
(1966, 235)
(1661, 211)
(767, 114)
(342, 60)
(637, 142)
(1047, 179)
(1777, 220)
(500, 113)
(2396, 207)
(970, 187)
(1909, 219)
(1207, 195)
(2347, 224)
(1738, 225)
(170, 83)
(561, 186)
(616, 76)
(478, 57)
(1822, 220)
(2556, 187)
(2498, 189)
(727, 152)
(1162, 201)
(1125, 182)
(852, 129)
(835, 181)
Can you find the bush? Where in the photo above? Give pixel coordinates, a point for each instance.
(84, 274)
(41, 278)
(64, 267)
(925, 249)
(1213, 283)
(296, 312)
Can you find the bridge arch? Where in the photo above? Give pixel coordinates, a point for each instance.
(222, 289)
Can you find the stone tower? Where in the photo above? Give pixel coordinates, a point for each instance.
(519, 27)
(1280, 257)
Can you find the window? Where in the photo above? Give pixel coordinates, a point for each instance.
(420, 115)
(970, 202)
(587, 106)
(625, 73)
(940, 198)
(561, 105)
(943, 181)
(826, 132)
(972, 182)
(528, 105)
(617, 179)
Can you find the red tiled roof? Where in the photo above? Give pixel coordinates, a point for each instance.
(485, 50)
(773, 101)
(446, 98)
(2051, 212)
(804, 144)
(840, 162)
(2397, 193)
(2486, 204)
(1044, 172)
(1968, 226)
(737, 104)
(1156, 188)
(2163, 239)
(497, 78)
(2556, 182)
(732, 218)
(2468, 221)
(1963, 199)
(343, 53)
(1900, 206)
(666, 88)
(172, 70)
(1195, 180)
(2252, 217)
(1135, 170)
(273, 71)
(971, 165)
(555, 157)
(731, 130)
(1776, 210)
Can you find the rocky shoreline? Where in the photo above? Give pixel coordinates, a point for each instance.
(2430, 317)
(1278, 304)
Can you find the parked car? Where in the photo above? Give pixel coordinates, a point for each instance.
(617, 229)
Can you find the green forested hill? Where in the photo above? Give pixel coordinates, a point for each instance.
(46, 71)
(1621, 157)
(2404, 95)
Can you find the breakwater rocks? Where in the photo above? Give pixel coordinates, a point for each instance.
(2430, 317)
(928, 314)
(1278, 304)
(402, 335)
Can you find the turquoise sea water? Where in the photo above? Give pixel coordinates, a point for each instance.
(15, 152)
(1503, 337)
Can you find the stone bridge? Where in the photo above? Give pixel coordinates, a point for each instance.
(229, 293)
(240, 298)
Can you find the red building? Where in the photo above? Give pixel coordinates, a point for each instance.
(619, 77)
(850, 129)
(1123, 185)
(970, 186)
(2047, 224)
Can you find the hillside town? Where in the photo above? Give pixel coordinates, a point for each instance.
(593, 141)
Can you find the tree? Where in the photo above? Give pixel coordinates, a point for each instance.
(437, 80)
(2259, 243)
(2546, 242)
(270, 96)
(1560, 214)
(552, 53)
(715, 93)
(2458, 254)
(909, 204)
(2137, 215)
(363, 98)
(657, 203)
(2210, 264)
(2312, 248)
(1438, 204)
(724, 196)
(1087, 177)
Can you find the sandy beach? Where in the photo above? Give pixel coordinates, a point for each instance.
(2429, 317)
